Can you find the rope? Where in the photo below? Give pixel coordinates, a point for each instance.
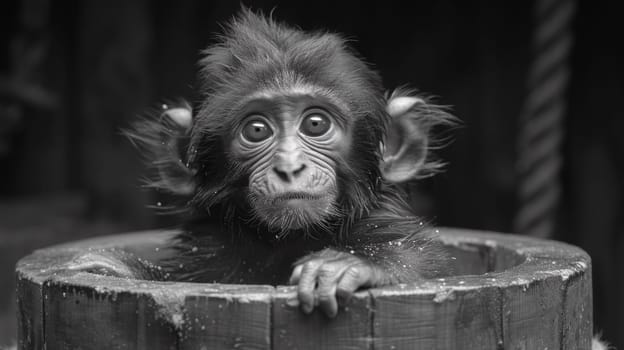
(541, 123)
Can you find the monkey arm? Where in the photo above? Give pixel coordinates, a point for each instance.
(381, 250)
(203, 253)
(116, 262)
(403, 246)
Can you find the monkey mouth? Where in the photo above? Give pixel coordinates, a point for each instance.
(294, 210)
(296, 196)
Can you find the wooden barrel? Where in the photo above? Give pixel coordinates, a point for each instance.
(510, 292)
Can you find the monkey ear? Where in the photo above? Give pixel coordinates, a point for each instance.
(181, 116)
(406, 143)
(405, 146)
(174, 173)
(163, 140)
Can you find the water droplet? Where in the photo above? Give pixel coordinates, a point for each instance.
(159, 204)
(164, 106)
(194, 249)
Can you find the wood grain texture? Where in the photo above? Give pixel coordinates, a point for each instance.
(511, 292)
(115, 314)
(577, 309)
(70, 310)
(437, 316)
(532, 312)
(32, 273)
(227, 317)
(292, 329)
(29, 313)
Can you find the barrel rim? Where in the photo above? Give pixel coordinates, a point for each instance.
(541, 260)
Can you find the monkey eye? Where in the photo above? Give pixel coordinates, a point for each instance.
(256, 131)
(315, 124)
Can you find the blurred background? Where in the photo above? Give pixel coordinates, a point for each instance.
(73, 73)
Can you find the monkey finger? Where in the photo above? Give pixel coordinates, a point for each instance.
(328, 276)
(355, 277)
(328, 302)
(296, 274)
(307, 284)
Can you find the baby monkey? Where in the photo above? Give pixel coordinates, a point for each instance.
(288, 170)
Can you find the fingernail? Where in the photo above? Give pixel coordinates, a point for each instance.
(292, 302)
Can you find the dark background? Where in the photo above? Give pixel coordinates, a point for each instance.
(73, 73)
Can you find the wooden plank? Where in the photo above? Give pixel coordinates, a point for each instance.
(29, 313)
(577, 308)
(81, 317)
(157, 326)
(532, 310)
(227, 317)
(32, 272)
(292, 329)
(436, 317)
(84, 310)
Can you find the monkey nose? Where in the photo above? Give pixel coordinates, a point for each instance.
(289, 173)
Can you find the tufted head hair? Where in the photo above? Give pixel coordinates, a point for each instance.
(255, 54)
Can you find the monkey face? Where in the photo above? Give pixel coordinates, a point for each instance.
(291, 146)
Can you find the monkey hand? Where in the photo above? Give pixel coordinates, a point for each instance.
(102, 262)
(324, 278)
